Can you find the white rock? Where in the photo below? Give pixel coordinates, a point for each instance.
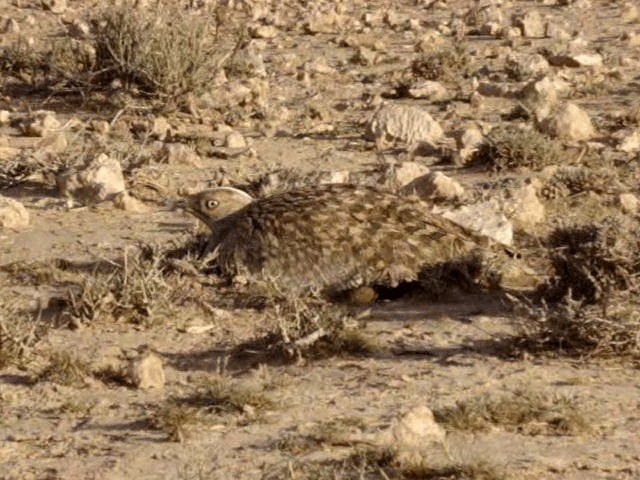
(42, 124)
(126, 202)
(557, 31)
(525, 65)
(405, 124)
(429, 90)
(531, 24)
(7, 153)
(263, 31)
(415, 437)
(5, 117)
(524, 208)
(13, 215)
(235, 140)
(99, 180)
(576, 60)
(435, 186)
(179, 153)
(630, 143)
(628, 202)
(402, 174)
(55, 6)
(146, 372)
(568, 122)
(485, 218)
(160, 128)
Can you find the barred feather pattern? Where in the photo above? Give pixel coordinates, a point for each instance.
(333, 237)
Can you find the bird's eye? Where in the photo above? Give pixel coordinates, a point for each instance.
(211, 204)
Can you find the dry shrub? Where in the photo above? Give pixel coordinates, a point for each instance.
(523, 411)
(164, 51)
(571, 180)
(447, 64)
(508, 147)
(308, 325)
(589, 305)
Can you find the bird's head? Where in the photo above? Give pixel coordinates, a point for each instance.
(215, 204)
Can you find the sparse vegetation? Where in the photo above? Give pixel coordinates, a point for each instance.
(65, 369)
(448, 64)
(523, 411)
(508, 147)
(20, 331)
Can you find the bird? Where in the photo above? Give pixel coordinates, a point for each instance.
(331, 237)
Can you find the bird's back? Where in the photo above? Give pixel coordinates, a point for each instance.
(336, 237)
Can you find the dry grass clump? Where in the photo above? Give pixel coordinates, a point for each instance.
(64, 368)
(20, 331)
(309, 326)
(377, 463)
(213, 398)
(523, 411)
(589, 305)
(571, 180)
(134, 290)
(448, 64)
(508, 147)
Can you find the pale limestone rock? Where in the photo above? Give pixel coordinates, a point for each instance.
(405, 124)
(126, 202)
(179, 153)
(630, 143)
(628, 202)
(568, 122)
(147, 372)
(402, 174)
(100, 179)
(576, 60)
(235, 140)
(435, 186)
(42, 124)
(524, 208)
(13, 215)
(429, 90)
(485, 218)
(531, 24)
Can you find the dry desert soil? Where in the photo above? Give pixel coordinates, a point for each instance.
(123, 356)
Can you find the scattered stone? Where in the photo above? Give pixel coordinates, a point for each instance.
(181, 154)
(557, 31)
(399, 175)
(5, 117)
(9, 25)
(100, 179)
(126, 202)
(7, 153)
(160, 128)
(468, 143)
(435, 186)
(415, 436)
(235, 140)
(100, 126)
(429, 40)
(568, 122)
(41, 124)
(524, 208)
(13, 215)
(630, 143)
(146, 372)
(55, 142)
(329, 22)
(628, 202)
(405, 124)
(429, 90)
(531, 24)
(263, 31)
(79, 29)
(522, 65)
(576, 60)
(55, 6)
(485, 218)
(629, 12)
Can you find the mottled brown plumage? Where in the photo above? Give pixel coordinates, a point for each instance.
(330, 237)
